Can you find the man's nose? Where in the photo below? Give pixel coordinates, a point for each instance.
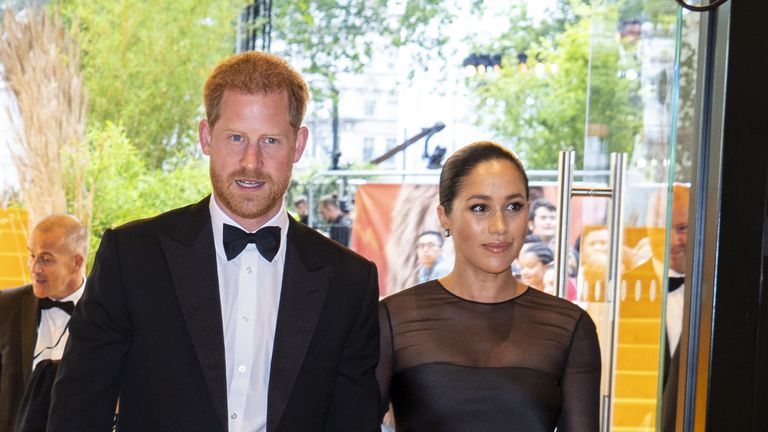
(252, 156)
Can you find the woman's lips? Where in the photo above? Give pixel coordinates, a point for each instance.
(497, 247)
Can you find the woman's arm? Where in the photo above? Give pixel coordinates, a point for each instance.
(386, 360)
(580, 383)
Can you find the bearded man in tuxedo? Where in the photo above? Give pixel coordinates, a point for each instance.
(227, 315)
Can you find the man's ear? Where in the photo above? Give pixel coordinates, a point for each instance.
(204, 136)
(79, 262)
(302, 135)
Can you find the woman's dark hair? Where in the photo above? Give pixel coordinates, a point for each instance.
(542, 251)
(461, 163)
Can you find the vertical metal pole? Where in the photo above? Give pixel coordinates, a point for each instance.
(565, 182)
(615, 229)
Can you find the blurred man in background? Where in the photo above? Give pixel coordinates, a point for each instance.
(34, 319)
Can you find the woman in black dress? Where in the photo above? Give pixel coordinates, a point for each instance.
(478, 350)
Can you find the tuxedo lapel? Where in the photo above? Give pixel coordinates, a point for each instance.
(191, 257)
(305, 285)
(28, 332)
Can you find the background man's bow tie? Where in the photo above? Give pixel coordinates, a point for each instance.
(47, 303)
(675, 283)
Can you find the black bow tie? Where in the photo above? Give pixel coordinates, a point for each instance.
(675, 282)
(46, 303)
(267, 240)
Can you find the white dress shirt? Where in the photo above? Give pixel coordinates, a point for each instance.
(249, 288)
(675, 314)
(53, 325)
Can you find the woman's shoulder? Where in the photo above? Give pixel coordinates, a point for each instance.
(548, 303)
(413, 293)
(414, 300)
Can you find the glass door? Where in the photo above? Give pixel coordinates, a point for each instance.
(623, 203)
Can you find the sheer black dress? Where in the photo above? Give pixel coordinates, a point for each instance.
(448, 364)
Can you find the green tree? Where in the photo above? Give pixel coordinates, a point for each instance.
(124, 189)
(340, 36)
(145, 63)
(540, 107)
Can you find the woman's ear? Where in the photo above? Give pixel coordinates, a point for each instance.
(443, 217)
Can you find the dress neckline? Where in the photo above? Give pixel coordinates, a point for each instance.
(511, 299)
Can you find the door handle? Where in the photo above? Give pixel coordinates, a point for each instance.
(615, 191)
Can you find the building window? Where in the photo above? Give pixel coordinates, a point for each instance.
(367, 149)
(370, 107)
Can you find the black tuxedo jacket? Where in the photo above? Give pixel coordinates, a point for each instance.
(18, 335)
(149, 330)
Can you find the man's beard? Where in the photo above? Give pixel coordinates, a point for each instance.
(246, 207)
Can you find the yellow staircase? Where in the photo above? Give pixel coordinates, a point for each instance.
(637, 364)
(13, 248)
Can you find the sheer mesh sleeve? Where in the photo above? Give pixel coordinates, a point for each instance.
(581, 381)
(384, 368)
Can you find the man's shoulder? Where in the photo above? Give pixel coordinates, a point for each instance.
(342, 220)
(443, 264)
(315, 246)
(15, 294)
(167, 220)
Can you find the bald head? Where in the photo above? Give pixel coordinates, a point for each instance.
(678, 234)
(57, 250)
(69, 229)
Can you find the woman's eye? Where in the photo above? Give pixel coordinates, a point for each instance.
(515, 206)
(478, 208)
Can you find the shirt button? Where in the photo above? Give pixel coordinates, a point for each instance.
(248, 270)
(246, 319)
(233, 416)
(241, 368)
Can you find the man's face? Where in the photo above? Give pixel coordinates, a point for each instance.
(678, 236)
(428, 249)
(544, 223)
(595, 246)
(56, 270)
(328, 213)
(252, 148)
(302, 208)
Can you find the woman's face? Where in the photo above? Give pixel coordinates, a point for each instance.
(532, 270)
(489, 218)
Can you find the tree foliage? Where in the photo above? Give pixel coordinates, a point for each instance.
(125, 189)
(540, 106)
(145, 64)
(341, 36)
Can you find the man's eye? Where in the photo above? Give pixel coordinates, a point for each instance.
(270, 140)
(237, 138)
